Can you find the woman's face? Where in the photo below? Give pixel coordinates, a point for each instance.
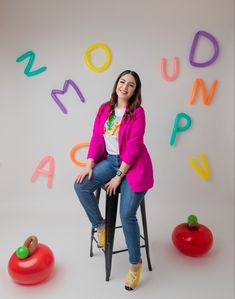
(126, 87)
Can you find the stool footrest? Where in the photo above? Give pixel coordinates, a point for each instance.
(122, 250)
(117, 251)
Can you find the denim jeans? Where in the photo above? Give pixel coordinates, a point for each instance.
(129, 203)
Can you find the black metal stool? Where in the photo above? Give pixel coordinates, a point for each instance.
(110, 226)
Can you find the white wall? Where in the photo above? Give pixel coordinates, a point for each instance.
(139, 34)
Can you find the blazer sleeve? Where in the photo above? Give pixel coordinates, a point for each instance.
(95, 148)
(136, 138)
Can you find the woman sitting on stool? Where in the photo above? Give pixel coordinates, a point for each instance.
(117, 156)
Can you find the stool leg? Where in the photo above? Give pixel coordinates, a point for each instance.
(110, 223)
(144, 221)
(97, 196)
(92, 238)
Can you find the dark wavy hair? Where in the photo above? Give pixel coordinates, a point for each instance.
(135, 100)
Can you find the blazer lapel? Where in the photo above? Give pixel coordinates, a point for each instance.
(122, 129)
(104, 117)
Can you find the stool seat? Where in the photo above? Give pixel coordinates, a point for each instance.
(110, 226)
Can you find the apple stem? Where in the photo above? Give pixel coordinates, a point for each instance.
(192, 222)
(32, 243)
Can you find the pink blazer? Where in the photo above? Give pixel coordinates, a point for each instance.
(131, 147)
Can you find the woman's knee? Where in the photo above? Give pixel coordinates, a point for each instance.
(81, 187)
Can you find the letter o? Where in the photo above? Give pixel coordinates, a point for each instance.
(107, 62)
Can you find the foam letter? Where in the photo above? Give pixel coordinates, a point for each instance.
(206, 99)
(175, 72)
(177, 128)
(55, 92)
(49, 173)
(203, 172)
(73, 152)
(193, 48)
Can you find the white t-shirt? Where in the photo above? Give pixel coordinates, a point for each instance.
(111, 130)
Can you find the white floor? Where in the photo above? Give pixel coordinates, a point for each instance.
(64, 228)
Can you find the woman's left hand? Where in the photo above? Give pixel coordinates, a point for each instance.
(112, 185)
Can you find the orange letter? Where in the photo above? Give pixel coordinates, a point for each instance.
(73, 151)
(206, 99)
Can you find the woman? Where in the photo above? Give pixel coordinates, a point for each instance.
(117, 156)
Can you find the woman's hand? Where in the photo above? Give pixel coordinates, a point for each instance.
(86, 171)
(112, 185)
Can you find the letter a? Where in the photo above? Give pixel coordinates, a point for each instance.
(40, 170)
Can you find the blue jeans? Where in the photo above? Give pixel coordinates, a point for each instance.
(129, 203)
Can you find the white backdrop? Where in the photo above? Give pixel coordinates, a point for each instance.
(139, 34)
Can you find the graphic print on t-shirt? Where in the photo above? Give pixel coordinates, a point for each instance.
(112, 125)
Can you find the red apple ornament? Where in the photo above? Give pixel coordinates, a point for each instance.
(192, 238)
(32, 263)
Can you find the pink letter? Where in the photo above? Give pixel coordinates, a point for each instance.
(175, 72)
(50, 172)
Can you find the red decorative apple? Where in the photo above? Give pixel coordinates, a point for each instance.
(32, 263)
(192, 238)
